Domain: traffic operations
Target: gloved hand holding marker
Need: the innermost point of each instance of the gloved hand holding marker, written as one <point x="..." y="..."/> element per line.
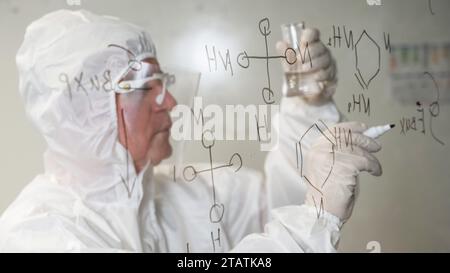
<point x="338" y="194"/>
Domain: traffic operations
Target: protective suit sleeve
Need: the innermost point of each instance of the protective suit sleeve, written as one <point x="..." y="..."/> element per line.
<point x="294" y="229"/>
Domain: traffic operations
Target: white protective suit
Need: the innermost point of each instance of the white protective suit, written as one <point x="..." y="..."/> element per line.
<point x="80" y="203"/>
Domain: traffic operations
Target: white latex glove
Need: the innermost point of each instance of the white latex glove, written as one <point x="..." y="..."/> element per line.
<point x="338" y="193"/>
<point x="320" y="72"/>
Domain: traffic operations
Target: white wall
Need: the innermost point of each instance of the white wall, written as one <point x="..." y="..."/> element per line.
<point x="407" y="209"/>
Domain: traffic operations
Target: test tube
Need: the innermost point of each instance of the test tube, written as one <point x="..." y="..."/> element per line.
<point x="295" y="83"/>
<point x="291" y="33"/>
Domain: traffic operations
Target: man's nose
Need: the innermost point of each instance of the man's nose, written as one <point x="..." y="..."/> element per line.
<point x="169" y="101"/>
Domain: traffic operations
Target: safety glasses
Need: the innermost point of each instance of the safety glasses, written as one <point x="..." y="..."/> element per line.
<point x="139" y="75"/>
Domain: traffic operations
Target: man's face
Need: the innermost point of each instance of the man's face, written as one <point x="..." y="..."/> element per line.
<point x="144" y="125"/>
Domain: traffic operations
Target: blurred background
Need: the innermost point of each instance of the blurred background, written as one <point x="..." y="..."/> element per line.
<point x="406" y="209"/>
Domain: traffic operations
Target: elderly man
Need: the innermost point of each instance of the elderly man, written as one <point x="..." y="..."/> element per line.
<point x="99" y="191"/>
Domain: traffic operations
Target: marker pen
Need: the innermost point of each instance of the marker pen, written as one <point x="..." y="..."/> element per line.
<point x="377" y="131"/>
